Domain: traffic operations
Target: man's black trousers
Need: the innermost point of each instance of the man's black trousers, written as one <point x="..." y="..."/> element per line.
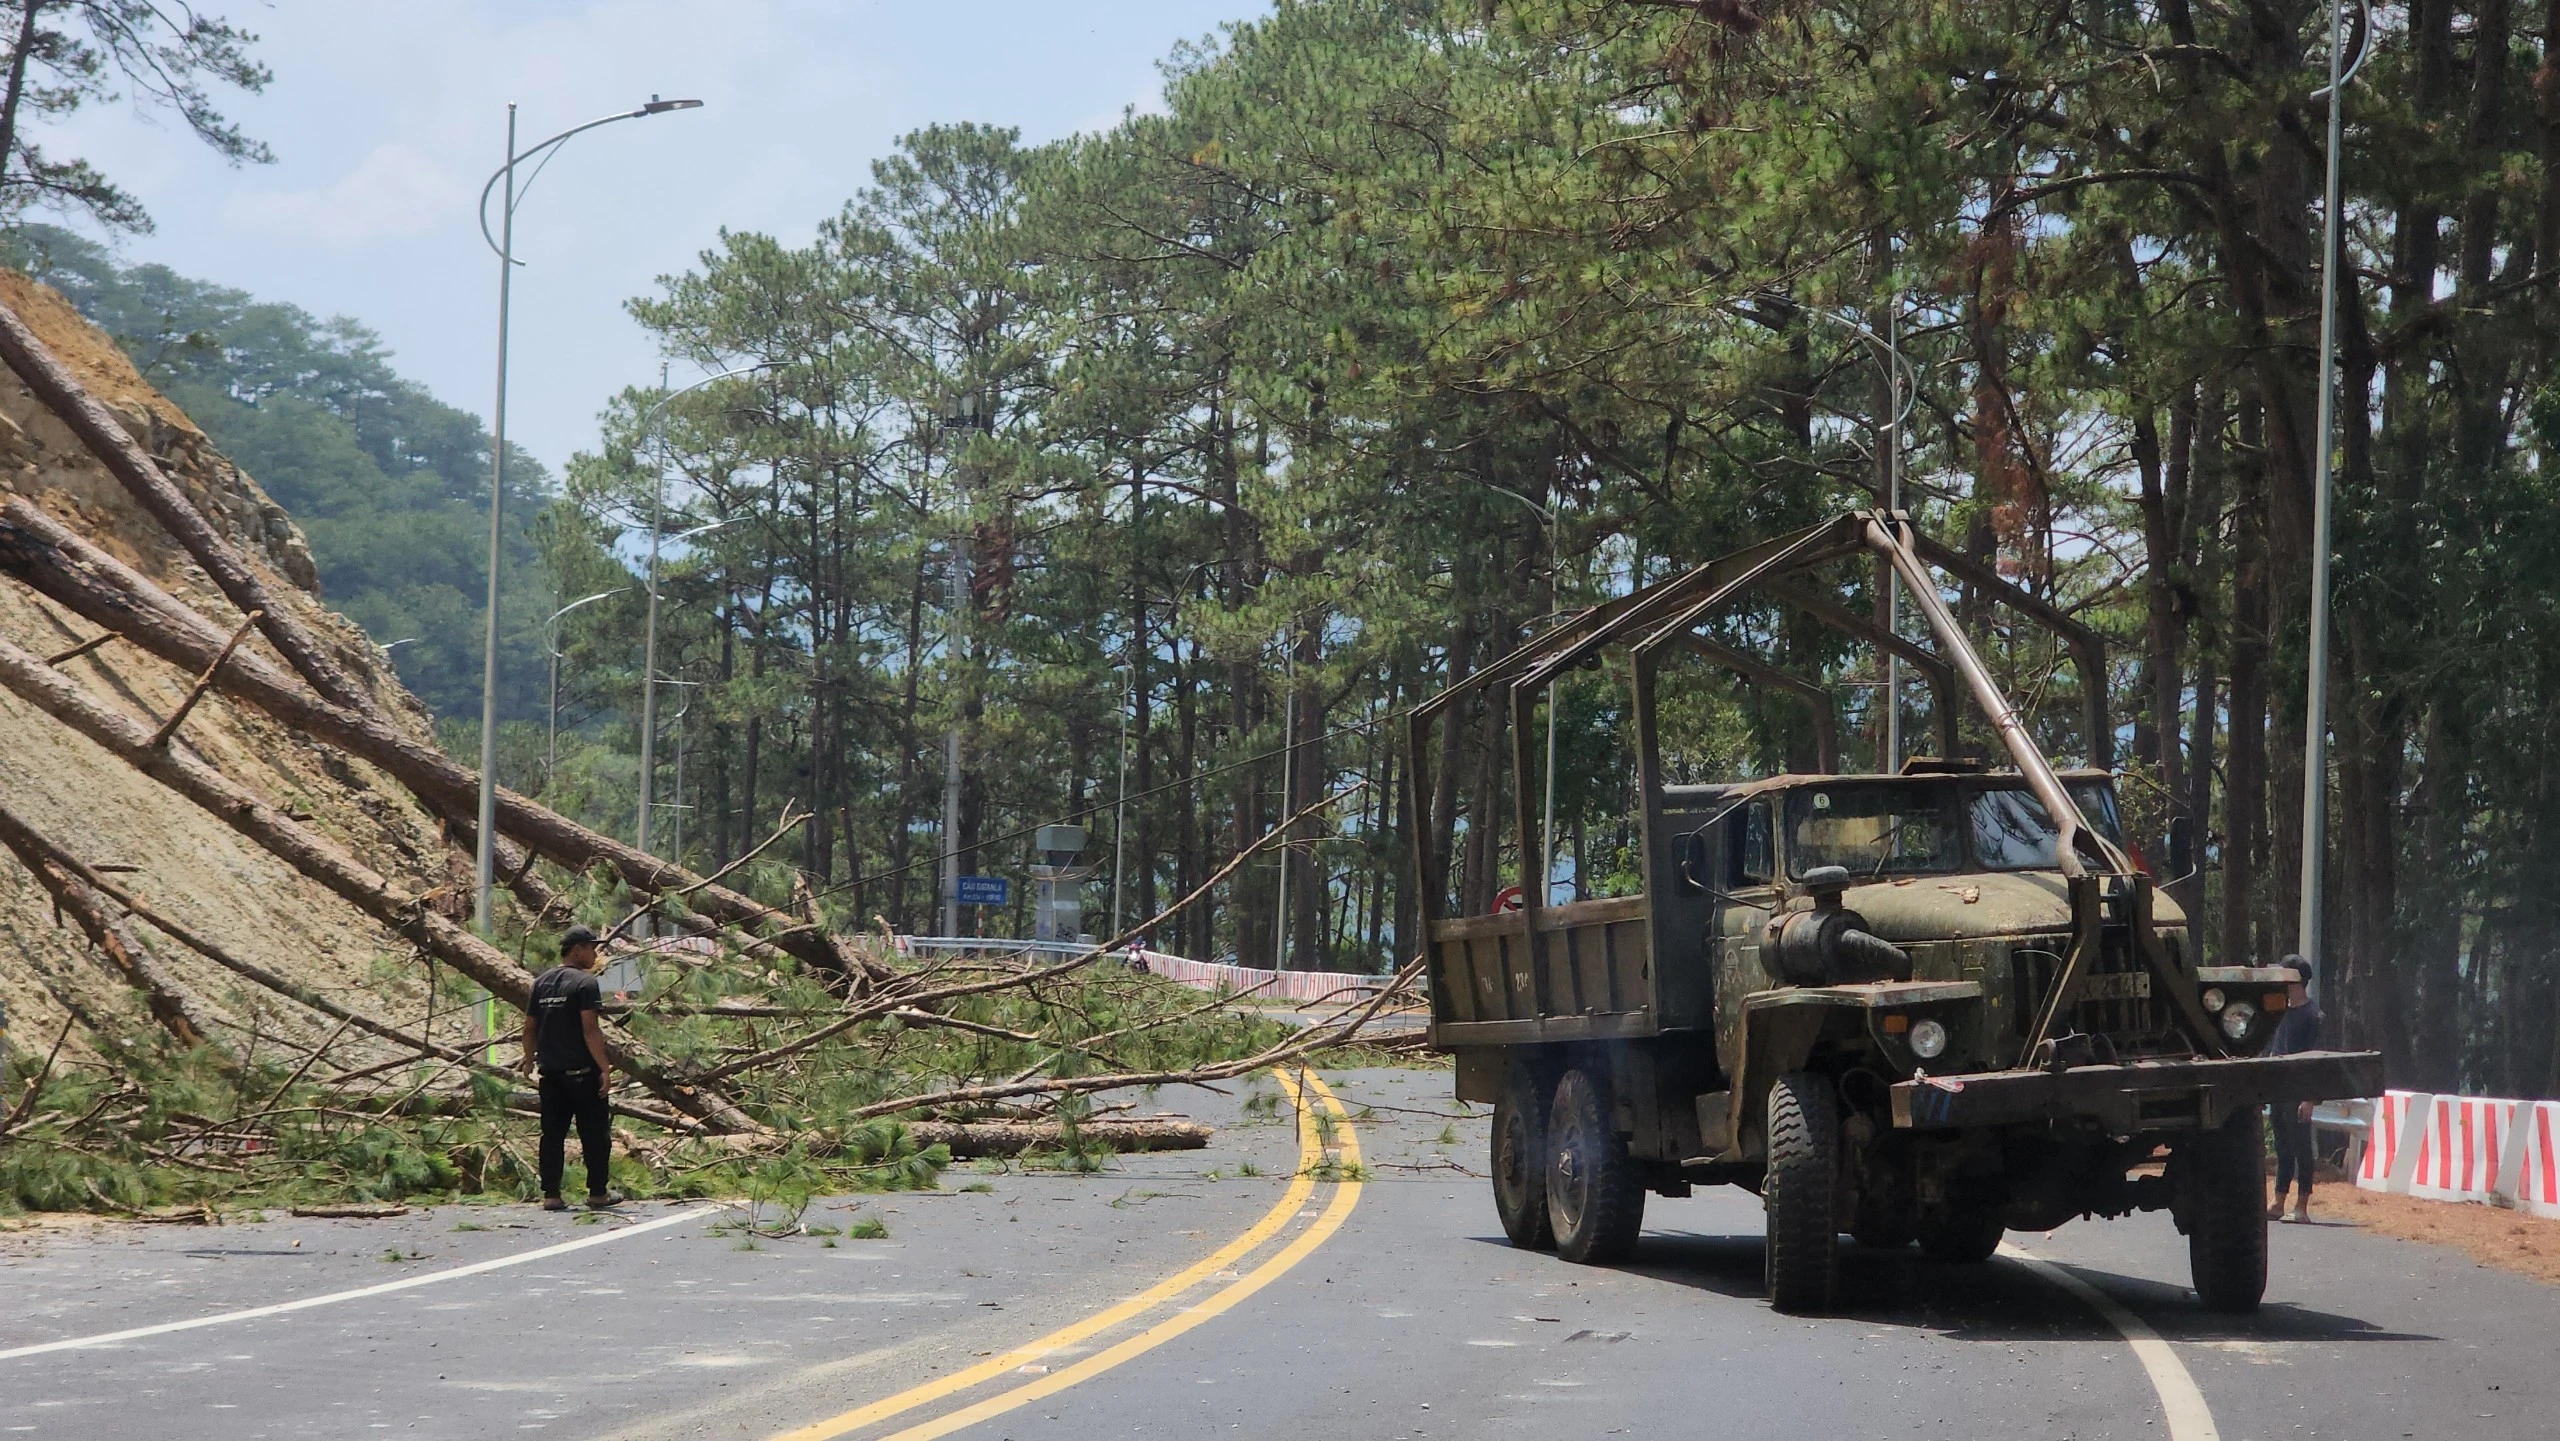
<point x="2293" y="1150"/>
<point x="575" y="1097"/>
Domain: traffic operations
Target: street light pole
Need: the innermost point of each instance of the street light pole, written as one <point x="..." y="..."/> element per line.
<point x="2315" y="728"/>
<point x="649" y="646"/>
<point x="485" y="860"/>
<point x="551" y="644"/>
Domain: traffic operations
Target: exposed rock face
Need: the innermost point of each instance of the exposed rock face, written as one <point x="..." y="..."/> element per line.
<point x="187" y="863"/>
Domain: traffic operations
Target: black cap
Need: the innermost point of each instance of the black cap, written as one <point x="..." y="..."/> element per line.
<point x="578" y="936"/>
<point x="2301" y="967"/>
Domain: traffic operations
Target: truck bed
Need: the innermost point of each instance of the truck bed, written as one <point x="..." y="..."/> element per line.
<point x="1595" y="979"/>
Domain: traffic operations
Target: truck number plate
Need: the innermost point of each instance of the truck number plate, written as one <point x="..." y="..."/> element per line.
<point x="2118" y="986"/>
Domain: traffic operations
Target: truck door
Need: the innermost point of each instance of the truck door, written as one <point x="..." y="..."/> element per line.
<point x="1748" y="893"/>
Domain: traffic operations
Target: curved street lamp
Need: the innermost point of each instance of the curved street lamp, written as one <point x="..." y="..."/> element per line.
<point x="484" y="868"/>
<point x="649" y="645"/>
<point x="551" y="646"/>
<point x="2315" y="727"/>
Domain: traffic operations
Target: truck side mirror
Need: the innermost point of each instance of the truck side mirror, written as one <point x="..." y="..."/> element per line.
<point x="2182" y="847"/>
<point x="1693" y="861"/>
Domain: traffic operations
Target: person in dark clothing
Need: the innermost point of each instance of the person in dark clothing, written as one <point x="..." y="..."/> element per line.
<point x="2299" y="1031"/>
<point x="564" y="1043"/>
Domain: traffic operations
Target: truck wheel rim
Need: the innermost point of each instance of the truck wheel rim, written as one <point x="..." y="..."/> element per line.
<point x="1569" y="1183"/>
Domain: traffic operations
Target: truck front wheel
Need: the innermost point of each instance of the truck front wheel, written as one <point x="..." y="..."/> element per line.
<point x="1520" y="1161"/>
<point x="1802" y="1194"/>
<point x="2227" y="1213"/>
<point x="1595" y="1199"/>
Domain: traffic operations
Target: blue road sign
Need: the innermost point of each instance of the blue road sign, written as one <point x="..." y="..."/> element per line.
<point x="984" y="890"/>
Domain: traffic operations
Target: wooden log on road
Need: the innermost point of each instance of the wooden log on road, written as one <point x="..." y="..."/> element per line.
<point x="59" y="564"/>
<point x="968" y="1139"/>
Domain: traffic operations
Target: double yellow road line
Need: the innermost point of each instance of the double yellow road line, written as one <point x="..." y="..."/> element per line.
<point x="1313" y="1154"/>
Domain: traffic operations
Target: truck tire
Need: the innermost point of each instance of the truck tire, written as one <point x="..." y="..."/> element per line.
<point x="2227" y="1214"/>
<point x="1520" y="1161"/>
<point x="1595" y="1199"/>
<point x="1961" y="1236"/>
<point x="1802" y="1194"/>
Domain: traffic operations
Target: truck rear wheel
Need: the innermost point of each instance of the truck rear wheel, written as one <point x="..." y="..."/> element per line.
<point x="1802" y="1194"/>
<point x="1520" y="1161"/>
<point x="1595" y="1199"/>
<point x="2227" y="1214"/>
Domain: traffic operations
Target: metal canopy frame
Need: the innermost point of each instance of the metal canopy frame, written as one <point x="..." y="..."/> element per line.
<point x="1665" y="615"/>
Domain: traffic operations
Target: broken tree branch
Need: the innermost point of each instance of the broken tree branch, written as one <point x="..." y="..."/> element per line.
<point x="66" y="657"/>
<point x="35" y="1083"/>
<point x="203" y="683"/>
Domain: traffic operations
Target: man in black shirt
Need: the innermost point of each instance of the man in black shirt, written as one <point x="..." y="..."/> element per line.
<point x="2299" y="1031"/>
<point x="564" y="1039"/>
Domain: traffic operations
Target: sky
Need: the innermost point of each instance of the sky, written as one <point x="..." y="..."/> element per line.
<point x="387" y="118"/>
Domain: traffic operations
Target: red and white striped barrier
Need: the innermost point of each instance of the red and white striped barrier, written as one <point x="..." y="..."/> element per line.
<point x="2458" y="1155"/>
<point x="2390" y="1135"/>
<point x="2465" y="1148"/>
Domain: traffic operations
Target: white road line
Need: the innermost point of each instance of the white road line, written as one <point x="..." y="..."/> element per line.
<point x="2189" y="1418"/>
<point x="405" y="1283"/>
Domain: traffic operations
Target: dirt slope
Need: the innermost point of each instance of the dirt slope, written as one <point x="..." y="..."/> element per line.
<point x="187" y="863"/>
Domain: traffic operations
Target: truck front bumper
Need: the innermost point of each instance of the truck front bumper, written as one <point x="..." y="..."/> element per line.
<point x="2136" y="1096"/>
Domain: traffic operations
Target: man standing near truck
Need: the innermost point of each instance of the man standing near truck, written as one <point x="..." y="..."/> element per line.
<point x="2299" y="1031"/>
<point x="564" y="1041"/>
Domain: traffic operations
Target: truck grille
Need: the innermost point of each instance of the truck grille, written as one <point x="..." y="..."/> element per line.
<point x="2136" y="1024"/>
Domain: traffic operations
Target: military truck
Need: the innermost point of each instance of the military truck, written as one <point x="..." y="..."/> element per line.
<point x="1930" y="1006"/>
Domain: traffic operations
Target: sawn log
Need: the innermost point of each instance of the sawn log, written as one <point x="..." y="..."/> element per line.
<point x="1011" y="1138"/>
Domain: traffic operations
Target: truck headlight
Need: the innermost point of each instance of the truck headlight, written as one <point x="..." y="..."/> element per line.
<point x="1928" y="1040"/>
<point x="2236" y="1018"/>
<point x="2212" y="998"/>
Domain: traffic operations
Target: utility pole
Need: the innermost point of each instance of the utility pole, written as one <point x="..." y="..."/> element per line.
<point x="649" y="646"/>
<point x="959" y="647"/>
<point x="1120" y="805"/>
<point x="484" y="865"/>
<point x="1288" y="804"/>
<point x="2315" y="728"/>
<point x="1893" y="501"/>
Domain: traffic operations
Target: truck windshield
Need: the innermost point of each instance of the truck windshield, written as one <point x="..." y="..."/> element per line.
<point x="2012" y="832"/>
<point x="1874" y="829"/>
<point x="1902" y="829"/>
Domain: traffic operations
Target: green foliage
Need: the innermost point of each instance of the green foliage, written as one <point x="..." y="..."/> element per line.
<point x="69" y="56"/>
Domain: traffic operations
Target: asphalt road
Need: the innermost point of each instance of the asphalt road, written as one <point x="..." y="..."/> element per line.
<point x="1198" y="1299"/>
